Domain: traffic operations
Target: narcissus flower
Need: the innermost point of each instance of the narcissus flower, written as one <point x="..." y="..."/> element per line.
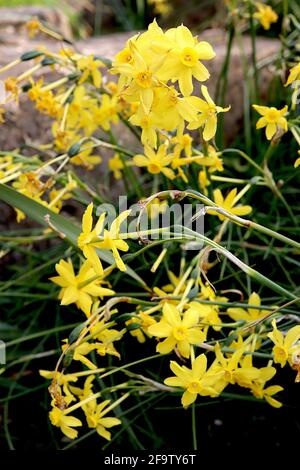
<point x="179" y="331"/>
<point x="148" y="123"/>
<point x="242" y="374"/>
<point x="265" y="15"/>
<point x="95" y="416"/>
<point x="212" y="160"/>
<point x="258" y="387"/>
<point x="145" y="321"/>
<point x="195" y="381"/>
<point x="115" y="165"/>
<point x="66" y="423"/>
<point x="183" y="61"/>
<point x="87" y="240"/>
<point x="272" y="119"/>
<point x="294" y="75"/>
<point x="207" y="114"/>
<point x="249" y="314"/>
<point x="90" y="68"/>
<point x="208" y="315"/>
<point x="111" y="240"/>
<point x="142" y="78"/>
<point x="81" y="288"/>
<point x="171" y="110"/>
<point x="45" y="100"/>
<point x="156" y="162"/>
<point x="228" y="203"/>
<point x="285" y="347"/>
<point x="90" y="239"/>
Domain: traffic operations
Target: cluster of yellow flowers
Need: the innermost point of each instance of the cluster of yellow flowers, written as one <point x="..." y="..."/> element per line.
<point x="149" y="67"/>
<point x="180" y="325"/>
<point x="157" y="91"/>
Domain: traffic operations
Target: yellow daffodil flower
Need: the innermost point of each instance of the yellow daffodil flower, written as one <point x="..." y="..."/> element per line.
<point x="208" y="114"/>
<point x="81" y="288"/>
<point x="243" y="375"/>
<point x="258" y="389"/>
<point x="105" y="337"/>
<point x="161" y="7"/>
<point x="228" y="203"/>
<point x="182" y="143"/>
<point x="212" y="160"/>
<point x="87" y="240"/>
<point x="249" y="314"/>
<point x="45" y="100"/>
<point x="115" y="165"/>
<point x="145" y="322"/>
<point x="86" y="160"/>
<point x="81" y="351"/>
<point x="107" y="112"/>
<point x="195" y="381"/>
<point x="111" y="240"/>
<point x="272" y="119"/>
<point x="287" y="347"/>
<point x="66" y="423"/>
<point x="183" y="61"/>
<point x="180" y="331"/>
<point x="156" y="162"/>
<point x="207" y="314"/>
<point x="148" y="123"/>
<point x="96" y="419"/>
<point x="171" y="110"/>
<point x="265" y="15"/>
<point x="89" y="67"/>
<point x="11" y="88"/>
<point x="267" y="394"/>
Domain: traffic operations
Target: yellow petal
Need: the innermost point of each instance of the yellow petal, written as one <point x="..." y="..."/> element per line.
<point x="188" y="398"/>
<point x="210" y="128"/>
<point x="70" y="295"/>
<point x="166" y="346"/>
<point x="87" y="219"/>
<point x="199" y="366"/>
<point x="270" y="130"/>
<point x="190" y="318"/>
<point x="161" y="329"/>
<point x="171" y="314"/>
<point x="184" y="348"/>
<point x="110" y="422"/>
<point x="185" y="82"/>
